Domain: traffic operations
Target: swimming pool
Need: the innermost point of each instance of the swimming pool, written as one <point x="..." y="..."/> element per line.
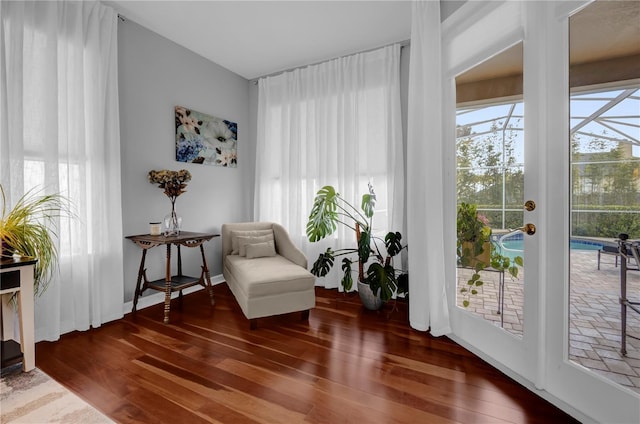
<point x="513" y="245"/>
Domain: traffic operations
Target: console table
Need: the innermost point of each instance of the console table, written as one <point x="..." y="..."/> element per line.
<point x="171" y="283"/>
<point x="16" y="277"/>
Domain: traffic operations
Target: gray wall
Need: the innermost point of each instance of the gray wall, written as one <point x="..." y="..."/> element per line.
<point x="155" y="75"/>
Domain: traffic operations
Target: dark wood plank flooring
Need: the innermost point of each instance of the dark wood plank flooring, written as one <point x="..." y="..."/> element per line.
<point x="345" y="365"/>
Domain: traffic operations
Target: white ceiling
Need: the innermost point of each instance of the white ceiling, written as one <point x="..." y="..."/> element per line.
<point x="258" y="38"/>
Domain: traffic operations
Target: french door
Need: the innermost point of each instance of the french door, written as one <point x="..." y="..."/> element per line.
<point x="507" y="87"/>
<point x="490" y="109"/>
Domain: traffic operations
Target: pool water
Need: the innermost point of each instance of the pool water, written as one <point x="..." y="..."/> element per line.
<point x="575" y="245"/>
<point x="513" y="246"/>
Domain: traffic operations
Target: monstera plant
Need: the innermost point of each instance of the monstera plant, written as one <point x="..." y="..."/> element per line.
<point x="329" y="210"/>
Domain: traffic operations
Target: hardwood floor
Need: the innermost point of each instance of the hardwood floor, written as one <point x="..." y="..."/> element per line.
<point x="345" y="365"/>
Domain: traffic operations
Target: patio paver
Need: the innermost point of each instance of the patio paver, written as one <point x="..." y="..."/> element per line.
<point x="594" y="321"/>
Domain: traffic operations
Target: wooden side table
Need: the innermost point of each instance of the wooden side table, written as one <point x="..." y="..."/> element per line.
<point x="16" y="276"/>
<point x="171" y="283"/>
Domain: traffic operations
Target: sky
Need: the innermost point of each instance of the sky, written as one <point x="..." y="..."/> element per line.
<point x="619" y="120"/>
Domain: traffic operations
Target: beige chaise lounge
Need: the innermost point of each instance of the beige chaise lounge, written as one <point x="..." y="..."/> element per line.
<point x="265" y="271"/>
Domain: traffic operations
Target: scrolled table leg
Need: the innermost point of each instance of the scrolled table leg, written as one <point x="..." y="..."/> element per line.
<point x="207" y="276"/>
<point x="167" y="291"/>
<point x="139" y="282"/>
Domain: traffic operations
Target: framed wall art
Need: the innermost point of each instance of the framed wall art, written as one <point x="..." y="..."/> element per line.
<point x="205" y="139"/>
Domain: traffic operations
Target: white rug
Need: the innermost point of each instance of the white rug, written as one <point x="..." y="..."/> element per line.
<point x="35" y="398"/>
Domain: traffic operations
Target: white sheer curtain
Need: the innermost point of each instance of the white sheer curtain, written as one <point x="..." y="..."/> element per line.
<point x="336" y="123"/>
<point x="425" y="195"/>
<point x="59" y="132"/>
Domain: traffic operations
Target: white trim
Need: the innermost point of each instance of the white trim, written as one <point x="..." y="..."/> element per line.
<point x="536" y="99"/>
<point x="468" y="46"/>
<point x="158" y="297"/>
<point x="567" y="8"/>
<point x="466" y="16"/>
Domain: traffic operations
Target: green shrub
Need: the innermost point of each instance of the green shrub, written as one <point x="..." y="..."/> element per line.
<point x="609" y="224"/>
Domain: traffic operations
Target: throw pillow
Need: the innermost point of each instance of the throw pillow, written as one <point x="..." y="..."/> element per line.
<point x="235" y="250"/>
<point x="244" y="241"/>
<point x="261" y="250"/>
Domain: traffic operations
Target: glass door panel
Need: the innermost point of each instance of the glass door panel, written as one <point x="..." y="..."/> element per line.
<point x="490" y="189"/>
<point x="605" y="188"/>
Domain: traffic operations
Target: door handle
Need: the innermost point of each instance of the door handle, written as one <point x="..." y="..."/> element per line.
<point x="528" y="228"/>
<point x="529" y="205"/>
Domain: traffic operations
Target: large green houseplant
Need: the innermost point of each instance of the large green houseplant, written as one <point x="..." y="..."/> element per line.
<point x="474" y="249"/>
<point x="29" y="230"/>
<point x="330" y="210"/>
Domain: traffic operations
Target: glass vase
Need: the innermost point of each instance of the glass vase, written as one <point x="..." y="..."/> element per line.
<point x="172" y="223"/>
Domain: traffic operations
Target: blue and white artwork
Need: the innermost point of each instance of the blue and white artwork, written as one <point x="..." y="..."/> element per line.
<point x="205" y="139"/>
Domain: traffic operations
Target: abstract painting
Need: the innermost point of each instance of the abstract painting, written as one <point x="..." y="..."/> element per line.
<point x="205" y="139"/>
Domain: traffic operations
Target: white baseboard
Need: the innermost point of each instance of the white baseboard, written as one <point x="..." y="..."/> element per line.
<point x="157" y="297"/>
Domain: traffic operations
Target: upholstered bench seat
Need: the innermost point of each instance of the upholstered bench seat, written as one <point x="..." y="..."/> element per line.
<point x="268" y="276"/>
<point x="265" y="271"/>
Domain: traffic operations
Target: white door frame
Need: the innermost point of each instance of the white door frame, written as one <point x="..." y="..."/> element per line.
<point x="475" y="33"/>
<point x="594" y="395"/>
<point x="539" y="360"/>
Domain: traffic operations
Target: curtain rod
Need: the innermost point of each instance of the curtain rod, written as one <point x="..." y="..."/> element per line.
<point x="403" y="43"/>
